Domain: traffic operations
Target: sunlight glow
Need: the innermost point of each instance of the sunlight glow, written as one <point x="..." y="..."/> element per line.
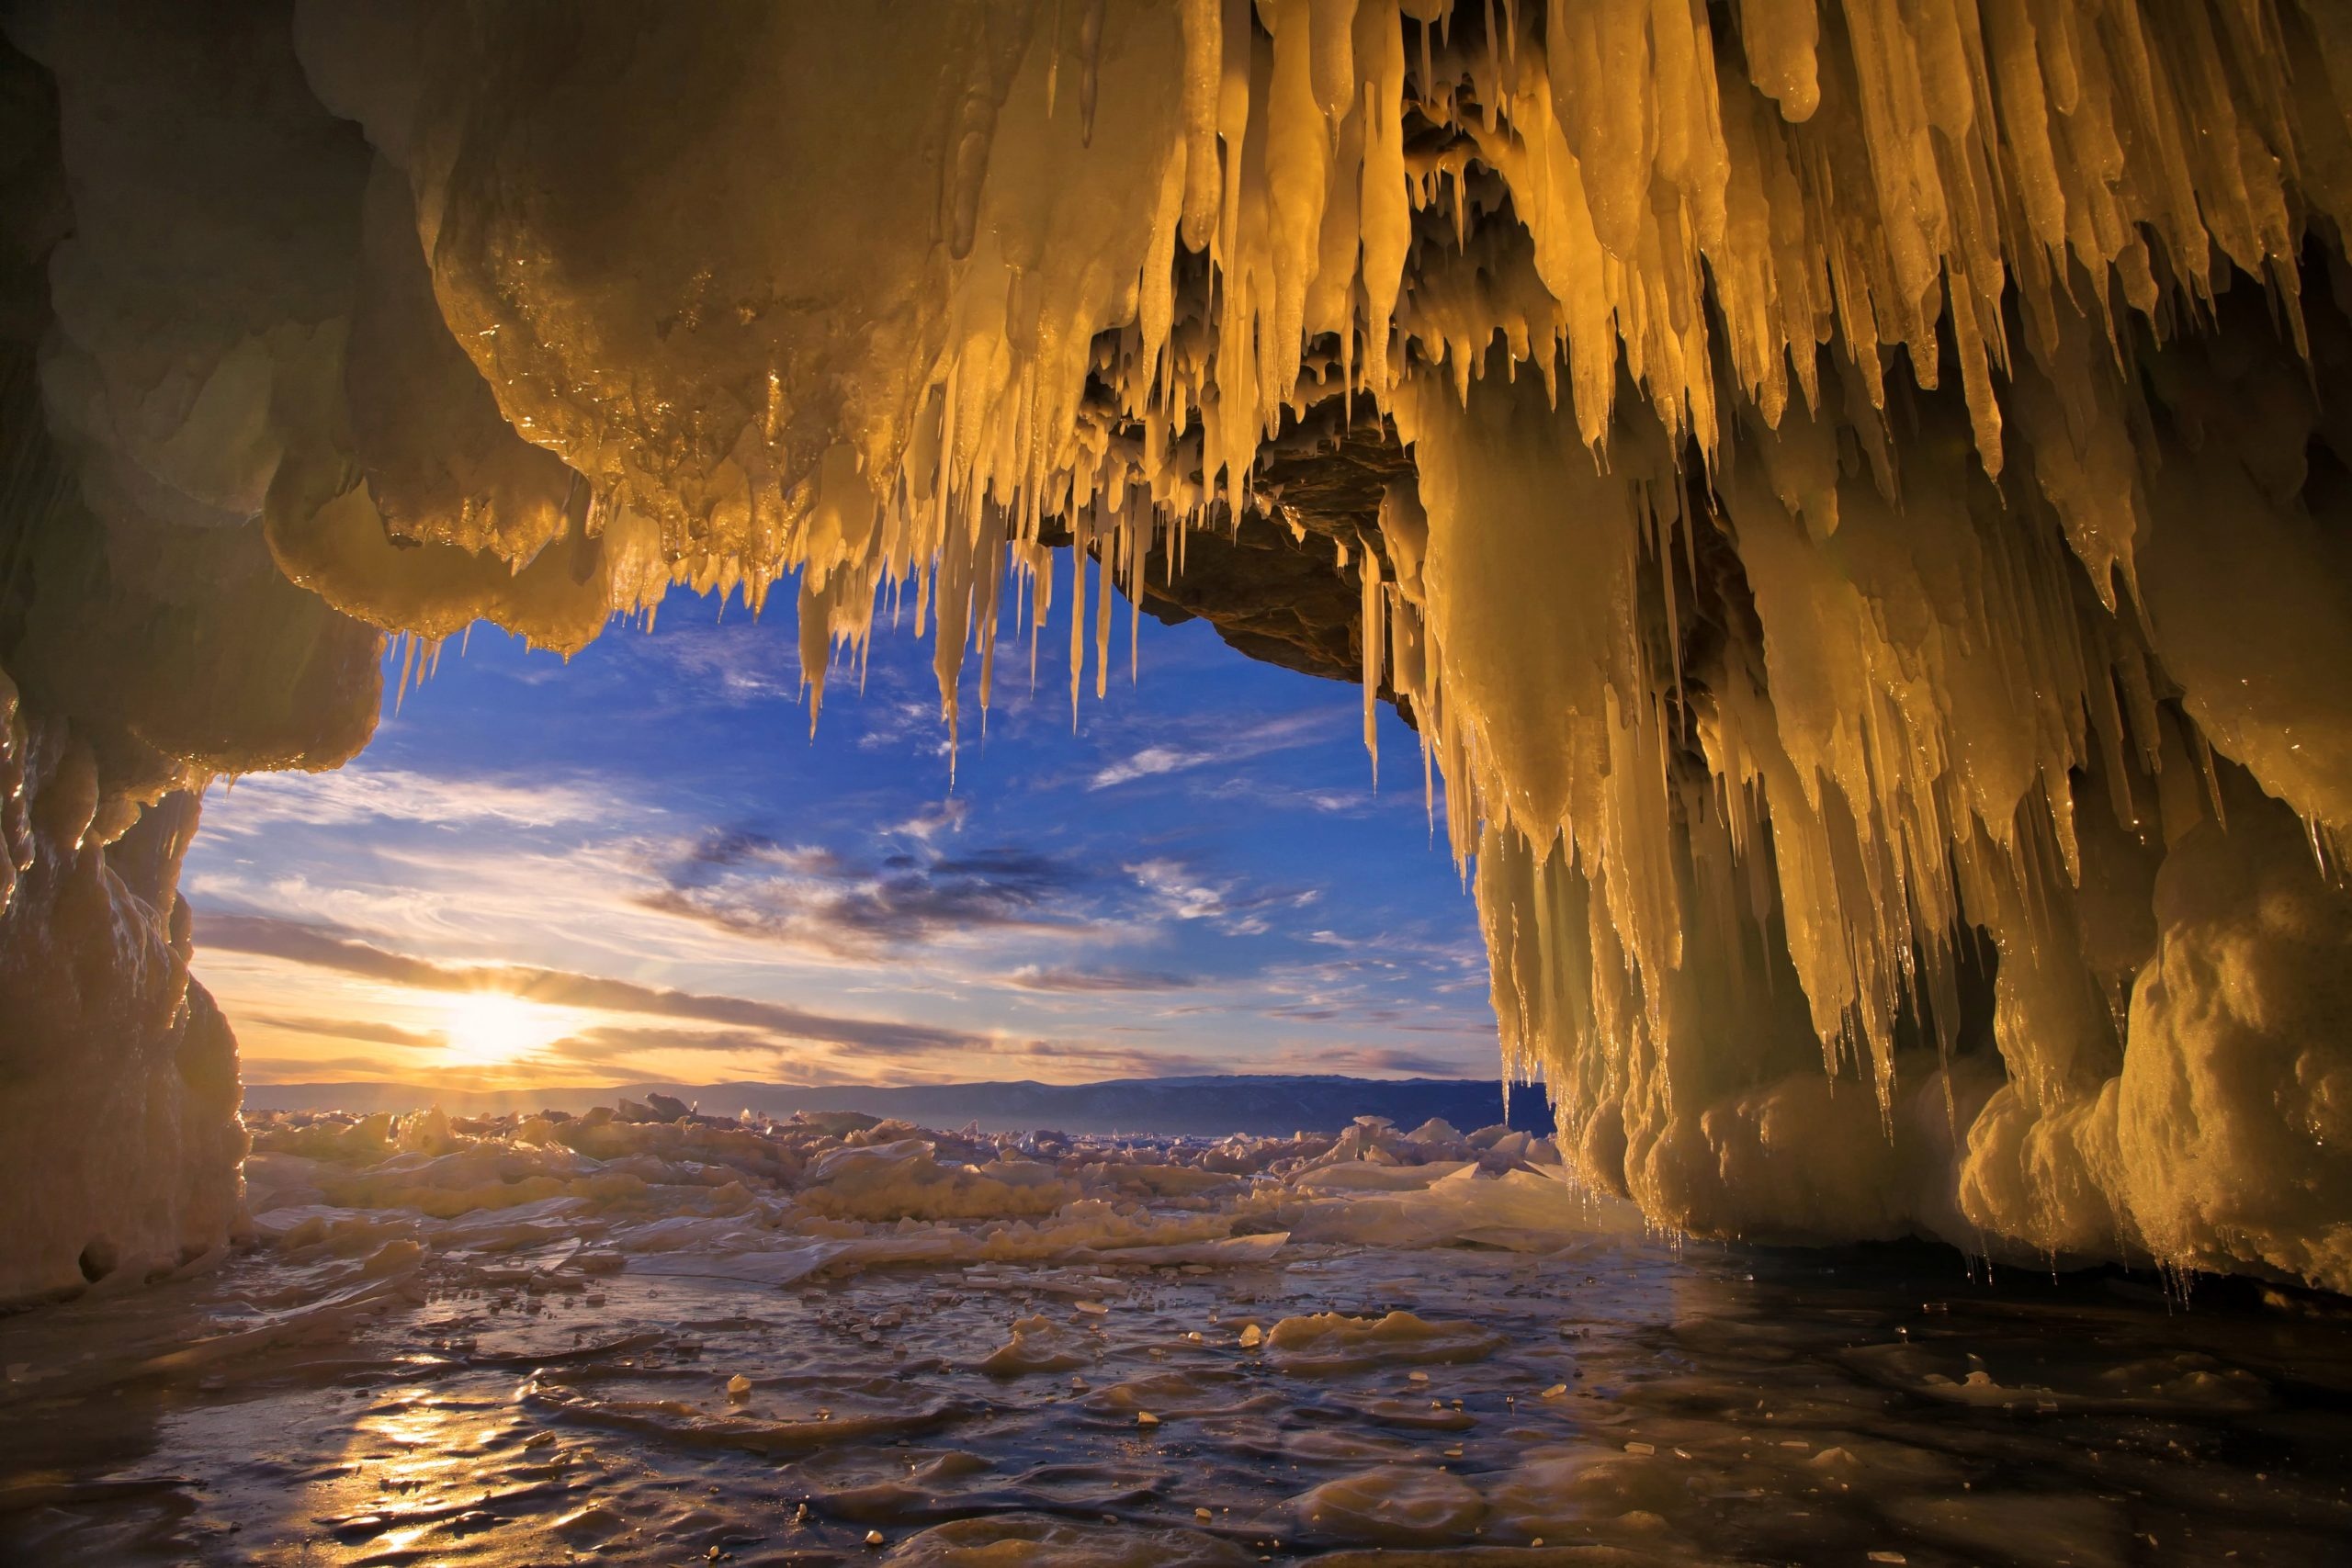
<point x="484" y="1027"/>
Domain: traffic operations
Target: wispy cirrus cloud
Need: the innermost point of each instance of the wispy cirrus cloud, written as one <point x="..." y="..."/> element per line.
<point x="359" y="794"/>
<point x="1184" y="894"/>
<point x="1149" y="762"/>
<point x="947" y="817"/>
<point x="1180" y="893"/>
<point x="737" y="665"/>
<point x="1199" y="741"/>
<point x="1256" y="795"/>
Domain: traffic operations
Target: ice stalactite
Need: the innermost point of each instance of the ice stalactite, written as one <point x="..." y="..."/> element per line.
<point x="1872" y="575"/>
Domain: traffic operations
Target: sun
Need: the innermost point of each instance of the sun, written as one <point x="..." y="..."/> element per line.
<point x="484" y="1027"/>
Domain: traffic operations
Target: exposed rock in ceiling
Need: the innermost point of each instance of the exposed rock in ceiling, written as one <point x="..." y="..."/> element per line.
<point x="1284" y="583"/>
<point x="1851" y="494"/>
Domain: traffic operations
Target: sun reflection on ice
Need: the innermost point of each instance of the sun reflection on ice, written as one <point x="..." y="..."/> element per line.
<point x="420" y="1468"/>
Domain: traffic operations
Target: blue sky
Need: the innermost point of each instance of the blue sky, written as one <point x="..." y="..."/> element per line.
<point x="638" y="864"/>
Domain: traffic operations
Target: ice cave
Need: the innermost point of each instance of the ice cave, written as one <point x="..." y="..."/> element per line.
<point x="1852" y="497"/>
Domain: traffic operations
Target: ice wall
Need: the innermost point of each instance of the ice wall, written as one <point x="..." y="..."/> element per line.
<point x="120" y="1110"/>
<point x="1875" y="583"/>
<point x="172" y="236"/>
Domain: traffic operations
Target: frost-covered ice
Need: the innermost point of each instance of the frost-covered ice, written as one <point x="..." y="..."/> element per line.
<point x="541" y="1340"/>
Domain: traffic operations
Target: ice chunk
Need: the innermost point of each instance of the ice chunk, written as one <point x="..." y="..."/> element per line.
<point x="1392" y="1506"/>
<point x="1329" y="1344"/>
<point x="1525" y="1211"/>
<point x="1039" y="1345"/>
<point x="903" y="1181"/>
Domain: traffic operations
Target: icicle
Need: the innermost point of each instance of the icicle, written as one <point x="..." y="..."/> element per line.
<point x="1203" y="33"/>
<point x="1374" y="623"/>
<point x="1081" y="536"/>
<point x="1090" y="44"/>
<point x="1107" y="554"/>
<point x="1054" y="58"/>
<point x="1138" y="533"/>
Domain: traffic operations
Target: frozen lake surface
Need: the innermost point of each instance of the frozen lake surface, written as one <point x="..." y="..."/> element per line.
<point x="713" y="1343"/>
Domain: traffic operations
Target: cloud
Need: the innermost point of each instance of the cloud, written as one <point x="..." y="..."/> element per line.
<point x="914" y="723"/>
<point x="1032" y="977"/>
<point x="356" y="794"/>
<point x="1184" y="896"/>
<point x="306" y="1069"/>
<point x="327" y="948"/>
<point x="729" y="846"/>
<point x="1266" y="794"/>
<point x="927" y="824"/>
<point x="1146" y="763"/>
<point x="1178" y="891"/>
<point x="1371" y="1061"/>
<point x="1215" y="739"/>
<point x="821" y="901"/>
<point x="739" y="665"/>
<point x="609" y="1045"/>
<point x="361" y="1030"/>
<point x="1105" y="1063"/>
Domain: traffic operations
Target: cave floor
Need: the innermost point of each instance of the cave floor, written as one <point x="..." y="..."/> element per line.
<point x="1619" y="1401"/>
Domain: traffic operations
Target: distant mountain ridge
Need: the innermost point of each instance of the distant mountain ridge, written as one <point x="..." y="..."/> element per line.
<point x="1206" y="1106"/>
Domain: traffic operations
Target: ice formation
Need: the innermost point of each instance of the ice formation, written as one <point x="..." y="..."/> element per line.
<point x="1873" y="575"/>
<point x="759" y="1201"/>
<point x="640" y="1334"/>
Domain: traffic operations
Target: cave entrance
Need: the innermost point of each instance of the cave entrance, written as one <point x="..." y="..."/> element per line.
<point x="635" y="868"/>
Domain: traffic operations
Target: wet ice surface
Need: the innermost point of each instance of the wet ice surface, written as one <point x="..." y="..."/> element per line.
<point x="710" y="1369"/>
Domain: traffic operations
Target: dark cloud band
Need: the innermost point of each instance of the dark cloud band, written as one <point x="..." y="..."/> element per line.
<point x="324" y="947"/>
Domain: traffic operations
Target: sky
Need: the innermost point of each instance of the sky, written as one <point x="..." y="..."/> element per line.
<point x="637" y="865"/>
